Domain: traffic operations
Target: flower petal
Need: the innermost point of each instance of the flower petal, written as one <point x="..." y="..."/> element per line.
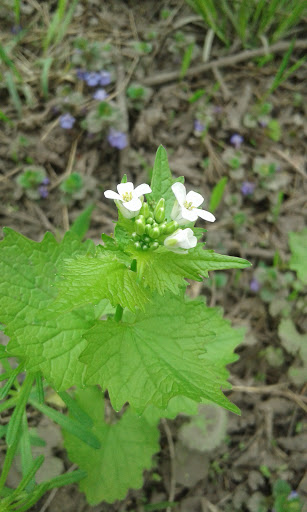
<point x="133" y="205"/>
<point x="203" y="214"/>
<point x="109" y="194"/>
<point x="126" y="213"/>
<point x="180" y="192"/>
<point x="122" y="188"/>
<point x="141" y="190"/>
<point x="189" y="215"/>
<point x="194" y="198"/>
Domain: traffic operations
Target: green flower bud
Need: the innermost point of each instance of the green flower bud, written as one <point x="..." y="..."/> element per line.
<point x="160" y="215"/>
<point x="154" y="232"/>
<point x="149" y="220"/>
<point x="145" y="247"/>
<point x="140" y="225"/>
<point x="135" y="237"/>
<point x="137" y="245"/>
<point x="147" y="228"/>
<point x="154" y="245"/>
<point x="145" y="210"/>
<point x="146" y="239"/>
<point x="171" y="227"/>
<point x="162" y="227"/>
<point x="159" y="211"/>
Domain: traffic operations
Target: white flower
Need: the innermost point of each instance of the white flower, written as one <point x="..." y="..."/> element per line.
<point x="181" y="240"/>
<point x="186" y="206"/>
<point x="127" y="198"/>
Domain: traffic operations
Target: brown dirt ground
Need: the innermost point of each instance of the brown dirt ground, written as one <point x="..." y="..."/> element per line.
<point x="267" y="432"/>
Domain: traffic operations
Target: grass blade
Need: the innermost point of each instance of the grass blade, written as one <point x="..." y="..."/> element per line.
<point x="14" y="424"/>
<point x="186" y="61"/>
<point x="11" y="86"/>
<point x="46" y="64"/>
<point x="72" y="426"/>
<point x="75" y="410"/>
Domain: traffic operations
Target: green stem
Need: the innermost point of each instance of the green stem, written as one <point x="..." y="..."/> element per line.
<point x="118" y="313"/>
<point x="140" y="270"/>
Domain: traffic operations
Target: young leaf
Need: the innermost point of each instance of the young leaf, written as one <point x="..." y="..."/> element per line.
<point x="14" y="424"/>
<point x="166" y="271"/>
<point x="82" y="222"/>
<point x="217" y="194"/>
<point x="126" y="450"/>
<point x="166" y="353"/>
<point x="105" y="276"/>
<point x="162" y="181"/>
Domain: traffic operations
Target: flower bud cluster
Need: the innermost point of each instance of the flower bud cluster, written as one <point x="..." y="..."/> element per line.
<point x="150" y="226"/>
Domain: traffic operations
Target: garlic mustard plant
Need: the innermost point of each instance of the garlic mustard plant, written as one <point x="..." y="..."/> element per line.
<point x="96" y="324"/>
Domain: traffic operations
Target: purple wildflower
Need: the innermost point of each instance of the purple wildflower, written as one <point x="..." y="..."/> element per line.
<point x="105" y="78"/>
<point x="293" y="495"/>
<point x="45" y="181"/>
<point x="199" y="126"/>
<point x="117" y="139"/>
<point x="43" y="191"/>
<point x="247" y="188"/>
<point x="92" y="78"/>
<point x="100" y="95"/>
<point x="80" y="74"/>
<point x="236" y="140"/>
<point x="254" y="285"/>
<point x="16" y="29"/>
<point x="67" y="121"/>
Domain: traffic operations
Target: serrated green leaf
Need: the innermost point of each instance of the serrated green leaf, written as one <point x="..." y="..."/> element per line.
<point x="89" y="279"/>
<point x="162" y="181"/>
<point x="46" y="337"/>
<point x="126" y="450"/>
<point x="160" y="354"/>
<point x="298" y="246"/>
<point x="164" y="270"/>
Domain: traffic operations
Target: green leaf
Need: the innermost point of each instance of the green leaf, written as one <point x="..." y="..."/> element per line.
<point x="165" y="270"/>
<point x="298" y="246"/>
<point x="82" y="222"/>
<point x="162" y="181"/>
<point x="103" y="276"/>
<point x="162" y="353"/>
<point x="46" y="337"/>
<point x="217" y="194"/>
<point x="126" y="450"/>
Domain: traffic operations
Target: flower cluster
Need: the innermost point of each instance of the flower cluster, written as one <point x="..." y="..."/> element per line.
<point x="151" y="227"/>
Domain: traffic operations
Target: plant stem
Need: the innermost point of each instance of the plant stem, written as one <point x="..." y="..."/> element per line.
<point x="118" y="313"/>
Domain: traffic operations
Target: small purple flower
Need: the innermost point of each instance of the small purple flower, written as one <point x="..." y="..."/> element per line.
<point x="254" y="285"/>
<point x="236" y="140"/>
<point x="199" y="126"/>
<point x="16" y="29"/>
<point x="45" y="181"/>
<point x="105" y="78"/>
<point x="92" y="78"/>
<point x="100" y="95"/>
<point x="80" y="74"/>
<point x="43" y="191"/>
<point x="293" y="495"/>
<point x="117" y="139"/>
<point x="247" y="188"/>
<point x="67" y="121"/>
